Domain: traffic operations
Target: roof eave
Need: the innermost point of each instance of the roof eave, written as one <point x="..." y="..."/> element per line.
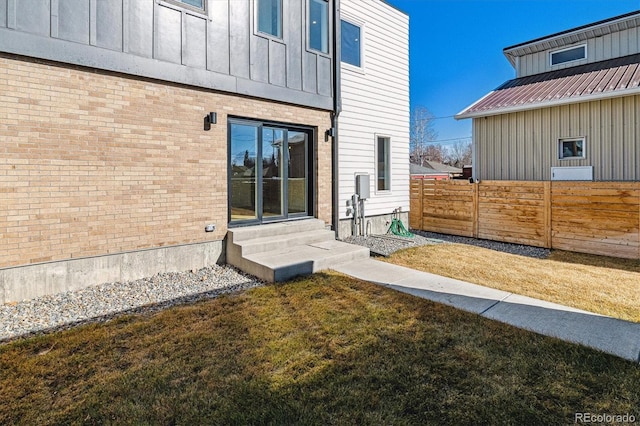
<point x="461" y="115"/>
<point x="611" y="22"/>
<point x="547" y="104"/>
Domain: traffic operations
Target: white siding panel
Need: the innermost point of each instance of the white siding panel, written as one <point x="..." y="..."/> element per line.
<point x="608" y="46"/>
<point x="375" y="101"/>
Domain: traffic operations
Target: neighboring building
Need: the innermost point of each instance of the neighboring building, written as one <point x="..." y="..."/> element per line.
<point x="106" y="170"/>
<point x="571" y="113"/>
<point x="373" y="137"/>
<point x="434" y="170"/>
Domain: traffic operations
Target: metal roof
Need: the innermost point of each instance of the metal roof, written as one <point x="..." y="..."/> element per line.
<point x="605" y="79"/>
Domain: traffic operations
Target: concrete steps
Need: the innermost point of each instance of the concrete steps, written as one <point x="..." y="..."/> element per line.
<point x="280" y="251"/>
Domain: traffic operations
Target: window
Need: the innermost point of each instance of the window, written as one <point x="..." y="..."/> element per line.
<point x="568" y="55"/>
<point x="350" y="43"/>
<point x="383" y="158"/>
<point x="270" y="17"/>
<point x="319" y="25"/>
<point x="195" y="3"/>
<point x="569" y="149"/>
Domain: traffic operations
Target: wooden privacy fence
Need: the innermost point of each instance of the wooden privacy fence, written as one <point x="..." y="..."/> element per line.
<point x="589" y="217"/>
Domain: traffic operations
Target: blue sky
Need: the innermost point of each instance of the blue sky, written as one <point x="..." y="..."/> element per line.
<point x="456" y="46"/>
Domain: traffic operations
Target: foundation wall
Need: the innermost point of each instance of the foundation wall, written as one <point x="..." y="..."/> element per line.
<point x="375" y="225"/>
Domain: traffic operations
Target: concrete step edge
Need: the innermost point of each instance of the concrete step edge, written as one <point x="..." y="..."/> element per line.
<point x="274" y="229"/>
<point x="282" y="242"/>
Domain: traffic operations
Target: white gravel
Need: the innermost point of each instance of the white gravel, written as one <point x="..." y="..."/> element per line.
<point x="103" y="302"/>
<point x="519" y="249"/>
<point x="384" y="245"/>
<point x="387" y="244"/>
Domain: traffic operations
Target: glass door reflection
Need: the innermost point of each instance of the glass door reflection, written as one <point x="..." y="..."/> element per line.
<point x="243" y="155"/>
<point x="297" y="172"/>
<point x="269" y="168"/>
<point x="272" y="172"/>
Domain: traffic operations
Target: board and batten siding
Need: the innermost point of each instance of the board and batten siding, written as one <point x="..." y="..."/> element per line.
<point x="524" y="145"/>
<point x="375" y="102"/>
<point x="613" y="45"/>
<point x="218" y="48"/>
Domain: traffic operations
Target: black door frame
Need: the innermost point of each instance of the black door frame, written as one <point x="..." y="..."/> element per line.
<point x="310" y="167"/>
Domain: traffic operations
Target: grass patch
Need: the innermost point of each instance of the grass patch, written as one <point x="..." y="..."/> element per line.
<point x="599" y="284"/>
<point x="326" y="349"/>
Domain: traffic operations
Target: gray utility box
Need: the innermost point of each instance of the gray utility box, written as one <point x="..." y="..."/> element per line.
<point x="362" y="186"/>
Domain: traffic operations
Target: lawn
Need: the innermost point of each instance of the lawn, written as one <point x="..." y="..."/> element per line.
<point x="326" y="349"/>
<point x="599" y="284"/>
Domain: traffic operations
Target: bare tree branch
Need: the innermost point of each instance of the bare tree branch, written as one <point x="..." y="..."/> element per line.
<point x="422" y="131"/>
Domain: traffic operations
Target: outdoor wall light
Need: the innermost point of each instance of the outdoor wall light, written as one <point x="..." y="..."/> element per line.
<point x="330" y="133"/>
<point x="209" y="119"/>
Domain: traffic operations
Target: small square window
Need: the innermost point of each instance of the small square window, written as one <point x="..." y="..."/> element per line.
<point x="383" y="158"/>
<point x="571" y="148"/>
<point x="318" y="22"/>
<point x="350" y="43"/>
<point x="270" y="17"/>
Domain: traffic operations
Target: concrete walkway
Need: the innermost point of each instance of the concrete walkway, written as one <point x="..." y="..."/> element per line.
<point x="614" y="336"/>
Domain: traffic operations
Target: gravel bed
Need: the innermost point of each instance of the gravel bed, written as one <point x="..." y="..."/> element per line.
<point x="103" y="302"/>
<point x="519" y="249"/>
<point x="387" y="244"/>
<point x="384" y="245"/>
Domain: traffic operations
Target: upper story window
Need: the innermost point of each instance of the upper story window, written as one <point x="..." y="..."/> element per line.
<point x="568" y="55"/>
<point x="318" y="21"/>
<point x="351" y="43"/>
<point x="270" y="17"/>
<point x="195" y="3"/>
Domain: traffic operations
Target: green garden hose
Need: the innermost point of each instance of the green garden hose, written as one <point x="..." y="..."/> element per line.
<point x="397" y="228"/>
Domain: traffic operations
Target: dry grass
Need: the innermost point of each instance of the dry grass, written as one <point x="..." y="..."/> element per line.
<point x="321" y="350"/>
<point x="599" y="284"/>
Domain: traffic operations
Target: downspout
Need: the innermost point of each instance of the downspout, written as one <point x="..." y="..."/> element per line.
<point x="337" y="108"/>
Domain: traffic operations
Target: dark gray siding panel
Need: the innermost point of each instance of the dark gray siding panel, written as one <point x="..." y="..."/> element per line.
<point x="73" y="20"/>
<point x="239" y="33"/>
<point x="139" y="31"/>
<point x="75" y="53"/>
<point x="294" y="40"/>
<point x="109" y="29"/>
<point x="194" y="46"/>
<point x="218" y="37"/>
<point x="309" y="72"/>
<point x="3" y="13"/>
<point x="217" y="49"/>
<point x="168" y="39"/>
<point x="277" y="64"/>
<point x="259" y="59"/>
<point x="34" y="16"/>
<point x="324" y="76"/>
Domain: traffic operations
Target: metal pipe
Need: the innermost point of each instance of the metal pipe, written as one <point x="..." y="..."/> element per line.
<point x="337" y="107"/>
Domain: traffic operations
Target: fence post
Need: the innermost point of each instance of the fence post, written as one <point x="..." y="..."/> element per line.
<point x="421" y="198"/>
<point x="548" y="231"/>
<point x="475" y="209"/>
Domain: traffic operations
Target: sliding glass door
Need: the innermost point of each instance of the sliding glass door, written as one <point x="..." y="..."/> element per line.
<point x="268" y="172"/>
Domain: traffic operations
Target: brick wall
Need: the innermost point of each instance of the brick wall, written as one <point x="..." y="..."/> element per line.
<point x="94" y="163"/>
